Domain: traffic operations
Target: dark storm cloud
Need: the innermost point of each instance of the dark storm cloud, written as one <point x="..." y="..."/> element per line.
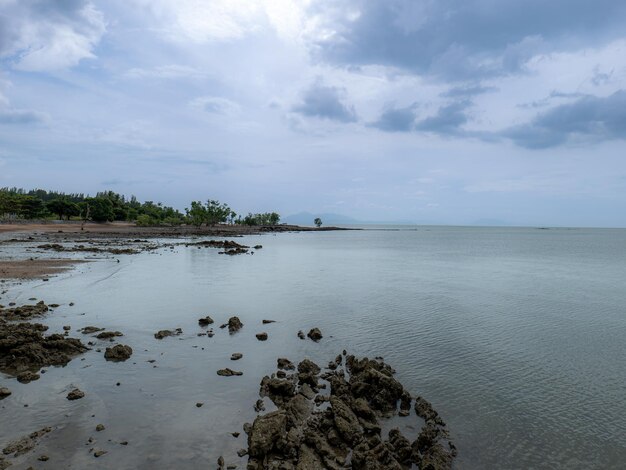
<point x="463" y="40"/>
<point x="396" y="119"/>
<point x="589" y="118"/>
<point x="325" y="102"/>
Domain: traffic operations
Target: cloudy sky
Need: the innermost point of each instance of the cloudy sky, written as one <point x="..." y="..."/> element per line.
<point x="433" y="111"/>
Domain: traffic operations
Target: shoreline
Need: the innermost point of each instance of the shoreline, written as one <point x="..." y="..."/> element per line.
<point x="110" y="238"/>
<point x="346" y="408"/>
<point x="124" y="229"/>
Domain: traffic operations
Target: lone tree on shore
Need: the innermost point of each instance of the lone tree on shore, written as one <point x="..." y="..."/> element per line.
<point x="317" y="222"/>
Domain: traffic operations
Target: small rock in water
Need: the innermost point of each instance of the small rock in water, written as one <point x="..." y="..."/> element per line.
<point x="4" y="392"/>
<point x="301" y="334"/>
<point x="108" y="334"/>
<point x="67" y="328"/>
<point x="259" y="405"/>
<point x="228" y="372"/>
<point x="100" y="427"/>
<point x="26" y="377"/>
<point x="90" y="329"/>
<point x="265" y="322"/>
<point x="164" y="333"/>
<point x="199" y="404"/>
<point x="236" y="356"/>
<point x="220" y="461"/>
<point x="315" y="334"/>
<point x="205" y="321"/>
<point x="283" y="363"/>
<point x="119" y="352"/>
<point x="234" y="324"/>
<point x="261" y="336"/>
<point x="99" y="453"/>
<point x="43" y="458"/>
<point x="75" y="394"/>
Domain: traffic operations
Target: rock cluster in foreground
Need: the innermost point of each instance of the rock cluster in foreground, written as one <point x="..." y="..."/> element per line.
<point x="346" y="432"/>
<point x="24" y="347"/>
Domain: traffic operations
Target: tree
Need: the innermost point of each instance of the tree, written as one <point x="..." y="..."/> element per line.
<point x="101" y="209"/>
<point x="197" y="214"/>
<point x="216" y="212"/>
<point x="274" y="218"/>
<point x="317" y="222"/>
<point x="63" y="207"/>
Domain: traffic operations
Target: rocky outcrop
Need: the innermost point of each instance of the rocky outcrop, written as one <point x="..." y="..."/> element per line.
<point x="25" y="444"/>
<point x="234" y="325"/>
<point x="24" y="347"/>
<point x="315" y="334"/>
<point x="75" y="394"/>
<point x="117" y="353"/>
<point x="261" y="336"/>
<point x="228" y="372"/>
<point x="165" y="333"/>
<point x="24" y="312"/>
<point x="108" y="334"/>
<point x="346" y="432"/>
<point x="90" y="330"/>
<point x="206" y="321"/>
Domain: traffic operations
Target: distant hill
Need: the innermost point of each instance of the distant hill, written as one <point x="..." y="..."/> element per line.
<point x="307" y="218"/>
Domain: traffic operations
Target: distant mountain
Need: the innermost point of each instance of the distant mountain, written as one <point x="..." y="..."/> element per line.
<point x="307" y="218"/>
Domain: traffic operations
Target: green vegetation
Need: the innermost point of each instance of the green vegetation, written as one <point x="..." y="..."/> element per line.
<point x="267" y="218"/>
<point x="317" y="222"/>
<point x="108" y="206"/>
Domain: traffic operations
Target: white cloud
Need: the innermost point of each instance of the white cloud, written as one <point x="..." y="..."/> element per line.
<point x="201" y="21"/>
<point x="50" y="37"/>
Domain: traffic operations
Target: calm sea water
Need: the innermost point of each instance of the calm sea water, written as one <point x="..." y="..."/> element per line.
<point x="516" y="335"/>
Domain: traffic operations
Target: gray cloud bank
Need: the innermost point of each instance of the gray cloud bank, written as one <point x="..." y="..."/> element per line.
<point x="458" y="41"/>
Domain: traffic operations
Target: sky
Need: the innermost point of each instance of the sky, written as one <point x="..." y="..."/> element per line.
<point x="423" y="111"/>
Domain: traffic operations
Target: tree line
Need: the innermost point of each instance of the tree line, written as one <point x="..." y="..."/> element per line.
<point x="108" y="206"/>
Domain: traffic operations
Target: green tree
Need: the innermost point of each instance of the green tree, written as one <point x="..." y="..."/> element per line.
<point x="63" y="207"/>
<point x="274" y="218"/>
<point x="317" y="222"/>
<point x="197" y="214"/>
<point x="216" y="212"/>
<point x="100" y="209"/>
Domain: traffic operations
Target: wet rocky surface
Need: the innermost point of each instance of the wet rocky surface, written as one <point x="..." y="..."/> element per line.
<point x="315" y="334"/>
<point x="340" y="428"/>
<point x="24" y="347"/>
<point x="234" y="325"/>
<point x="313" y="418"/>
<point x="165" y="333"/>
<point x="24" y="444"/>
<point x="118" y="353"/>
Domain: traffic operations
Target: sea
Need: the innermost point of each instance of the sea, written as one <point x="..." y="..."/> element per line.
<point x="517" y="336"/>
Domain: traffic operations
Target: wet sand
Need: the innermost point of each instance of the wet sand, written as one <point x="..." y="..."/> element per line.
<point x="35" y="268"/>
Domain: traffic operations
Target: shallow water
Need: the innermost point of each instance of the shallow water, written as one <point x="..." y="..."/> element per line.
<point x="515" y="335"/>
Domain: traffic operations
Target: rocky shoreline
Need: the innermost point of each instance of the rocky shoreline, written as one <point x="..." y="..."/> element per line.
<point x="340" y="428"/>
<point x="328" y="417"/>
